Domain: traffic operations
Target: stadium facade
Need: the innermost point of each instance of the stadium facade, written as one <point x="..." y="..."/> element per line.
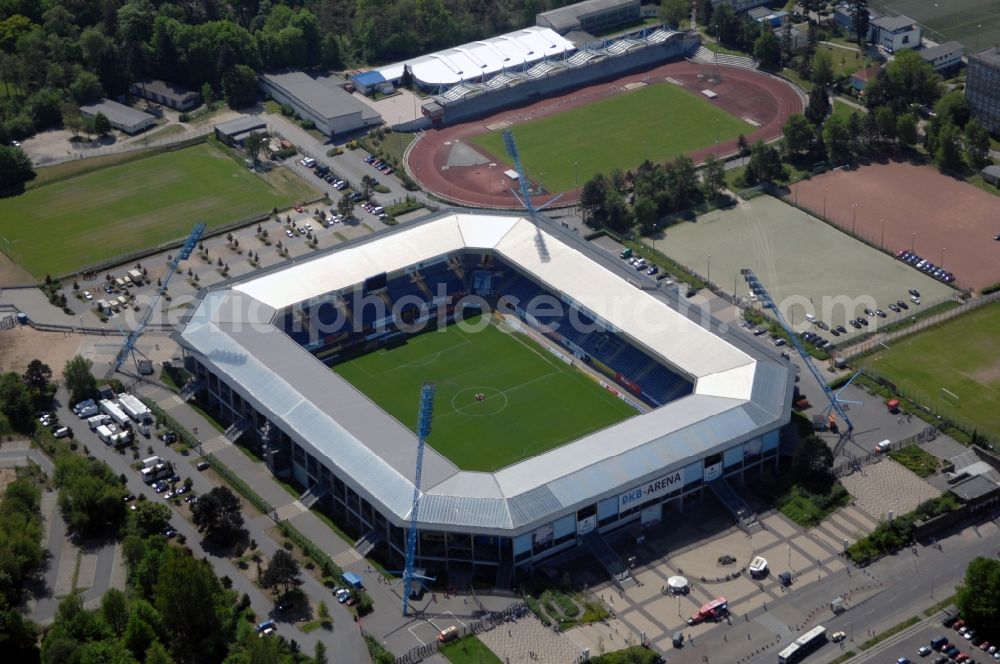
<point x="711" y="405"/>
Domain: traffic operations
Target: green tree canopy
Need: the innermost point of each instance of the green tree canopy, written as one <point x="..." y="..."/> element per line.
<point x="219" y="515"/>
<point x="282" y="573"/>
<point x="798" y="134"/>
<point x="767" y="50"/>
<point x="978" y="597"/>
<point x="811" y="464"/>
<point x="91" y="497"/>
<point x="79" y="380"/>
<point x="15" y="167"/>
<point x="822" y="67"/>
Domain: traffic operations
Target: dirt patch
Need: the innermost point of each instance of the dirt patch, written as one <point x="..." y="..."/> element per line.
<point x="7" y="475"/>
<point x="743" y="93"/>
<point x="12" y="274"/>
<point x="901" y="205"/>
<point x="20" y="345"/>
<point x="988" y="375"/>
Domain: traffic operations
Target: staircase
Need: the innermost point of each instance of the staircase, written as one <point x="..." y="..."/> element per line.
<point x="313" y="494"/>
<point x="190" y="389"/>
<point x="605" y="555"/>
<point x="368" y="542"/>
<point x="707" y="57"/>
<point x="237" y="429"/>
<point x="745" y="517"/>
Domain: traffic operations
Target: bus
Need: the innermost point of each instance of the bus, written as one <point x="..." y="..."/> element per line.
<point x="803" y="645"/>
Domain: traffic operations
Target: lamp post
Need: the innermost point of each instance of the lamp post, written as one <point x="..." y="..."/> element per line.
<point x="881" y="243"/>
<point x="708" y="277"/>
<point x="943" y="249"/>
<point x="913" y="238"/>
<point x="826" y="190"/>
<point x="854" y="220"/>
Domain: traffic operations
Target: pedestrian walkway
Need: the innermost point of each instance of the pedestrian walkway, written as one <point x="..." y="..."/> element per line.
<point x="290" y="510"/>
<point x="346" y="558"/>
<point x="527" y="640"/>
<point x="215" y="445"/>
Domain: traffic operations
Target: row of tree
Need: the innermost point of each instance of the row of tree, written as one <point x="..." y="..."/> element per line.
<point x="644" y="197"/>
<point x="21" y="560"/>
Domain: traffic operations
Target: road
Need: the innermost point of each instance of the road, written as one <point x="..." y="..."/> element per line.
<point x="344" y="638"/>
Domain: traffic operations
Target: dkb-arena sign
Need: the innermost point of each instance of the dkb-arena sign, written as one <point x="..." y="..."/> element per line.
<point x="661" y="486"/>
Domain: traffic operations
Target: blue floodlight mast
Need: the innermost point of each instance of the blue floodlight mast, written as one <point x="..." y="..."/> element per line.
<point x="133" y="337"/>
<point x="765" y="299"/>
<point x="424" y="418"/>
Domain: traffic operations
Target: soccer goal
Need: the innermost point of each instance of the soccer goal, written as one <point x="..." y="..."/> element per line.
<point x="949" y="397"/>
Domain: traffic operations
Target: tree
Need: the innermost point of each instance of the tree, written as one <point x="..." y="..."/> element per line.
<point x="283" y="571"/>
<point x="948" y="150"/>
<point x="953" y="108"/>
<point x="79" y="380"/>
<point x="672" y="12"/>
<point x="767" y="50"/>
<point x="978" y="597"/>
<point x="86" y="87"/>
<point x="114" y="610"/>
<point x="885" y="120"/>
<point x="91" y="498"/>
<point x="798" y="134"/>
<point x="906" y="129"/>
<point x="38" y="374"/>
<point x="218" y="513"/>
<point x="254" y="145"/>
<point x="319" y="654"/>
<point x="703" y="11"/>
<point x="345" y="206"/>
<point x="151" y="517"/>
<point x="743" y="145"/>
<point x="786" y="42"/>
<point x="593" y="200"/>
<point x="194" y="607"/>
<point x="764" y="164"/>
<point x="859" y="20"/>
<point x="811" y="464"/>
<point x="646" y="217"/>
<point x="977" y="144"/>
<point x="239" y="86"/>
<point x="713" y="178"/>
<point x="15" y="168"/>
<point x="818" y="106"/>
<point x="724" y="24"/>
<point x="18" y="402"/>
<point x="102" y="126"/>
<point x="837" y="137"/>
<point x="822" y="68"/>
<point x="157" y="654"/>
<point x="682" y="182"/>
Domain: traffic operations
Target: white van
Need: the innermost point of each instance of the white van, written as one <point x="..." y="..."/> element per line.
<point x="884" y="446"/>
<point x="308" y="162"/>
<point x="811" y="318"/>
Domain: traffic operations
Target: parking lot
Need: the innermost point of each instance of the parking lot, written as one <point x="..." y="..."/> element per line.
<point x="912" y="646"/>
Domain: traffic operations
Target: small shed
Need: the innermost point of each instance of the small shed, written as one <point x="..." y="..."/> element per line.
<point x="991" y="174"/>
<point x="353" y="580"/>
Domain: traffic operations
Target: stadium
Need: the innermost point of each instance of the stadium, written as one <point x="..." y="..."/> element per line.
<point x="318" y="364"/>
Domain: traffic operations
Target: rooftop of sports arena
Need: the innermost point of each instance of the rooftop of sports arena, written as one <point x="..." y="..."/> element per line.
<point x="737" y="391"/>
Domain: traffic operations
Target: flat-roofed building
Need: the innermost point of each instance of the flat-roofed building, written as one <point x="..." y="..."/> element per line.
<point x="168" y="94"/>
<point x="593" y="16"/>
<point x="121" y="117"/>
<point x="946" y="57"/>
<point x="982" y="87"/>
<point x="334" y="110"/>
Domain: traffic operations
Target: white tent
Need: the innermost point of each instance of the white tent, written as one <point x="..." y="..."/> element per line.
<point x="677" y="585"/>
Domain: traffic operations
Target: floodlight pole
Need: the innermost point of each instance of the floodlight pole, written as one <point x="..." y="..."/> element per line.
<point x="425" y="416"/>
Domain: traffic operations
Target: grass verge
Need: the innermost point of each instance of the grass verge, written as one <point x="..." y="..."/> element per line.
<point x="892" y="631"/>
<point x="469" y="650"/>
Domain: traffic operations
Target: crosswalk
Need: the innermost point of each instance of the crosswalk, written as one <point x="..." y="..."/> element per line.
<point x="346" y="558"/>
<point x="290" y="511"/>
<point x="215" y="445"/>
<point x="169" y="402"/>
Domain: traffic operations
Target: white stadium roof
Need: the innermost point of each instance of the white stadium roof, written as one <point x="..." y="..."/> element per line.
<point x="739" y="392"/>
<point x="482" y="59"/>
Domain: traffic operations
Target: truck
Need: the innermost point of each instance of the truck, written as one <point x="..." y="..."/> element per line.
<point x="713" y="611"/>
<point x="151" y="461"/>
<point x="96" y="421"/>
<point x="116" y="414"/>
<point x="136" y="277"/>
<point x="135" y="408"/>
<point x="103" y="306"/>
<point x="158" y="472"/>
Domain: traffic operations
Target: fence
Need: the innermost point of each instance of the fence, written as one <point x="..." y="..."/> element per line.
<point x="857" y="462"/>
<point x="512" y="613"/>
<point x="140" y="144"/>
<point x="883" y="338"/>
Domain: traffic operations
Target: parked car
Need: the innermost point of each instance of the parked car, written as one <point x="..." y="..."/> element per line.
<point x="169" y="437"/>
<point x="62" y="432"/>
<point x="202" y="465"/>
<point x="297" y="208"/>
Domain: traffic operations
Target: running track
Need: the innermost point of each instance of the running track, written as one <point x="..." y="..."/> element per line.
<point x="742" y="92"/>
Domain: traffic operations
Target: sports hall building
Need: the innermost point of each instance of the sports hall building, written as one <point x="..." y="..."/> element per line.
<point x="711" y="407"/>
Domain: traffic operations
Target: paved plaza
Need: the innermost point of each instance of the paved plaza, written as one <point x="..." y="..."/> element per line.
<point x="887" y="487"/>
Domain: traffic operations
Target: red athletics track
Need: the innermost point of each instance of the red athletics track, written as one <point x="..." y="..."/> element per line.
<point x="742" y="92"/>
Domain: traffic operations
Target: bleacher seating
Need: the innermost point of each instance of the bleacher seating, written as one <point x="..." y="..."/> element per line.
<point x="659" y="36"/>
<point x="622" y="46"/>
<point x="581" y="58"/>
<point x="706" y="56"/>
<point x="542" y="69"/>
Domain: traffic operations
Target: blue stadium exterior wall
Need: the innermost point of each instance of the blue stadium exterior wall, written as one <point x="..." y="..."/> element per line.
<point x="531" y="91"/>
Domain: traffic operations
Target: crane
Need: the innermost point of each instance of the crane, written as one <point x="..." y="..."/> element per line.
<point x="525" y="198"/>
<point x="129" y="347"/>
<point x="424" y="417"/>
<point x="836" y="402"/>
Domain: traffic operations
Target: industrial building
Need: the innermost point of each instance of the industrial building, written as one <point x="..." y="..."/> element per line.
<point x="593" y="16"/>
<point x="334" y="111"/>
<point x="122" y="117"/>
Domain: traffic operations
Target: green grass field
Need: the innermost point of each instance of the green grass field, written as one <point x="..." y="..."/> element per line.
<point x="975" y="23"/>
<point x="469" y="650"/>
<point x="534" y="401"/>
<point x="962" y="356"/>
<point x="84" y="219"/>
<point x="657" y="122"/>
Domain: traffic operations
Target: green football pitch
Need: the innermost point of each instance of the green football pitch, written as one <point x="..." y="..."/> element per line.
<point x="961" y="356"/>
<point x="534" y="401"/>
<point x="69" y="224"/>
<point x="656" y="122"/>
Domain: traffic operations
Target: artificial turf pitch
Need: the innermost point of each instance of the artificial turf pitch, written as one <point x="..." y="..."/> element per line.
<point x="83" y="220"/>
<point x="961" y="356"/>
<point x="534" y="401"/>
<point x="656" y="122"/>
